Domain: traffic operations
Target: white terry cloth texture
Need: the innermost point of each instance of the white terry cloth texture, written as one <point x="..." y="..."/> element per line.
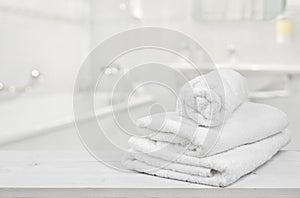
<point x="218" y="170"/>
<point x="211" y="98"/>
<point x="249" y="123"/>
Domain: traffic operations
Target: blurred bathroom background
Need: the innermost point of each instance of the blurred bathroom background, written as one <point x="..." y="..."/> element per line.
<point x="44" y="42"/>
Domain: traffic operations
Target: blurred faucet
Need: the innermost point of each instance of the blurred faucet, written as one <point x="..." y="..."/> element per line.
<point x="112" y="70"/>
<point x="10" y="91"/>
<point x="113" y="74"/>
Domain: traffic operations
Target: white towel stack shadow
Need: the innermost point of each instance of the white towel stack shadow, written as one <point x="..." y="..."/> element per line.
<point x="214" y="137"/>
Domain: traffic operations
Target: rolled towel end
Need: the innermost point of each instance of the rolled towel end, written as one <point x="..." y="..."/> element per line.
<point x="210" y="98"/>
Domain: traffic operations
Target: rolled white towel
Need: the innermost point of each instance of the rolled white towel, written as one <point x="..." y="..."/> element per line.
<point x="211" y="98"/>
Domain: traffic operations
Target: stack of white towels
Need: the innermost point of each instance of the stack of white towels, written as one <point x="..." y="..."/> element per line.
<point x="214" y="137"/>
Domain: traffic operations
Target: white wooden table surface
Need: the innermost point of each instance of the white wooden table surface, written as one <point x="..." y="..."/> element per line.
<point x="77" y="174"/>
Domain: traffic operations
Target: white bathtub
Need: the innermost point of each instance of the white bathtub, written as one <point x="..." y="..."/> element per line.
<point x="48" y="123"/>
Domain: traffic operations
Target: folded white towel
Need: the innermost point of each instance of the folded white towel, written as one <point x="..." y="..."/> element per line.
<point x="211" y="98"/>
<point x="249" y="123"/>
<point x="218" y="170"/>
